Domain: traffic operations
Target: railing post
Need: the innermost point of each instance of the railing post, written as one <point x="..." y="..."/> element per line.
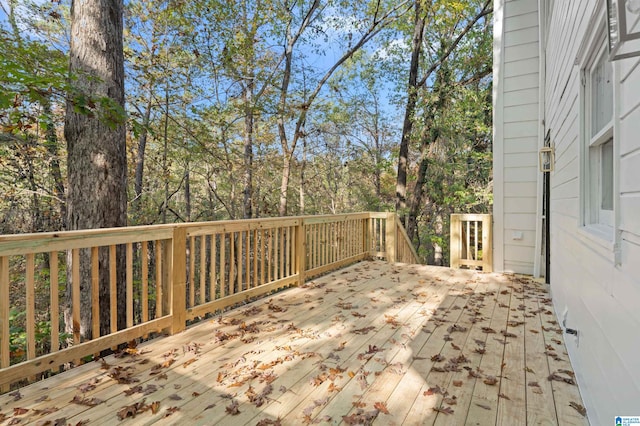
<point x="487" y="243"/>
<point x="179" y="280"/>
<point x="390" y="237"/>
<point x="301" y="252"/>
<point x="455" y="241"/>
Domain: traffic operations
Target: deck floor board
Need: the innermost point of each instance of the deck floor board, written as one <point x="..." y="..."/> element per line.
<point x="373" y="343"/>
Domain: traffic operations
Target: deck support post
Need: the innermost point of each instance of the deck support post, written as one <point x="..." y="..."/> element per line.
<point x="301" y="252"/>
<point x="390" y="237"/>
<point x="179" y="280"/>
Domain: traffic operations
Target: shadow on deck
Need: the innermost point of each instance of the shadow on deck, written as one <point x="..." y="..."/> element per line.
<point x="373" y="343"/>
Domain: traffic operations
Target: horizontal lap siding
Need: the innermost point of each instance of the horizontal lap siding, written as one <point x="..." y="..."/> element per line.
<point x="519" y="121"/>
<point x="601" y="298"/>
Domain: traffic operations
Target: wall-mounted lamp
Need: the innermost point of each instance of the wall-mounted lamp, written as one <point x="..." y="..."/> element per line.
<point x="623" y="21"/>
<point x="547" y="158"/>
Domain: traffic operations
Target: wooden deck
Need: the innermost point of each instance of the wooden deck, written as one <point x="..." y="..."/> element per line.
<point x="373" y="343"/>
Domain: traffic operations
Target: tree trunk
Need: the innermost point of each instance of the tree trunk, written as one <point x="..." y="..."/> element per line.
<point x="187" y="192"/>
<point x="142" y="146"/>
<point x="165" y="164"/>
<point x="247" y="211"/>
<point x="412" y="98"/>
<point x="96" y="145"/>
<point x="51" y="144"/>
<point x="284" y="186"/>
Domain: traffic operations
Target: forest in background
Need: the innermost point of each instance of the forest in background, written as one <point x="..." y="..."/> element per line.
<point x="261" y="108"/>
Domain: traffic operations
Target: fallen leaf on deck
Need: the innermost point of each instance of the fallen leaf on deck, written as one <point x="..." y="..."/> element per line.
<point x="16" y="395"/>
<point x="267" y="422"/>
<point x="122" y="375"/>
<point x="567" y="372"/>
<point x="579" y="408"/>
<point x="174" y="397"/>
<point x="456" y="328"/>
<point x="443" y="410"/>
<point x="392" y="319"/>
<point x="233" y="407"/>
<point x="437" y="358"/>
<point x="360" y="417"/>
<point x="490" y="380"/>
<point x="434" y="390"/>
<point x="486" y="407"/>
<point x="488" y="330"/>
<point x="89" y="402"/>
<point x="187" y="363"/>
<point x="363" y="330"/>
<point x="558" y="378"/>
<point x="381" y="406"/>
<point x="457" y="383"/>
<point x="132" y="410"/>
<point x="452" y="400"/>
<point x="18" y="411"/>
<point x="501" y="395"/>
<point x="454" y="346"/>
<point x="170" y="411"/>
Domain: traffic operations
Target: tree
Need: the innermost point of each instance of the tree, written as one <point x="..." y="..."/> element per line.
<point x="95" y="133"/>
<point x="452" y="20"/>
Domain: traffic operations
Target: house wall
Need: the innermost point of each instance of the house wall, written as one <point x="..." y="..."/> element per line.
<point x="594" y="281"/>
<point x="516" y="133"/>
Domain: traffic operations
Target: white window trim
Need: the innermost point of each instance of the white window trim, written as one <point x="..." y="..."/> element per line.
<point x="607" y="238"/>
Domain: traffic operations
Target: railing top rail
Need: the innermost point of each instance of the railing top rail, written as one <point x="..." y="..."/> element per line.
<point x="470" y="216"/>
<point x="18" y="244"/>
<point x="59" y="241"/>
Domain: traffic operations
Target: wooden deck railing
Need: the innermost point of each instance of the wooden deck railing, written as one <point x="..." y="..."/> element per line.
<point x="173" y="274"/>
<point x="470" y="245"/>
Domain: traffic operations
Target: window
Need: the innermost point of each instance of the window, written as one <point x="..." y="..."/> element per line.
<point x="599" y="140"/>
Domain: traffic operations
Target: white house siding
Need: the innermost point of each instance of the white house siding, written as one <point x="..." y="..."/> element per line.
<point x="516" y="126"/>
<point x="597" y="287"/>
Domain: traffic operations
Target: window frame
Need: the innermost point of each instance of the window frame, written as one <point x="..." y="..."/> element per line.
<point x="597" y="221"/>
<point x="594" y="175"/>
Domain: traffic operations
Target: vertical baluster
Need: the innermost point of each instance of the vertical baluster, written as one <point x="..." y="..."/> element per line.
<point x="262" y="231"/>
<point x="281" y="254"/>
<point x="239" y="262"/>
<point x="54" y="307"/>
<point x="192" y="271"/>
<point x="213" y="260"/>
<point x="292" y="255"/>
<point x="5" y="355"/>
<point x="129" y="283"/>
<point x="255" y="258"/>
<point x="158" y="248"/>
<point x="113" y="290"/>
<point x="475" y="242"/>
<point x="75" y="295"/>
<point x="30" y="282"/>
<point x="247" y="259"/>
<point x="287" y="251"/>
<point x="269" y="255"/>
<point x="203" y="269"/>
<point x="232" y="263"/>
<point x="223" y="252"/>
<point x="95" y="293"/>
<point x="144" y="263"/>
